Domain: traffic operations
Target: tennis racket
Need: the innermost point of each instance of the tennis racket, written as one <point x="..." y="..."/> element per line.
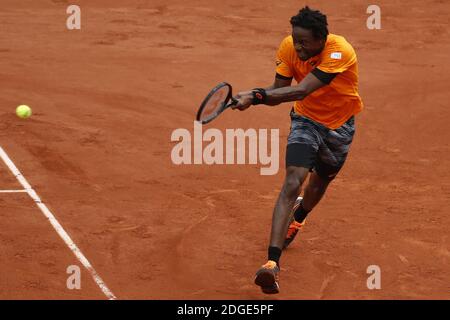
<point x="217" y="101"/>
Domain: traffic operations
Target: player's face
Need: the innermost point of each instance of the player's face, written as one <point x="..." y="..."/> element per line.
<point x="305" y="44"/>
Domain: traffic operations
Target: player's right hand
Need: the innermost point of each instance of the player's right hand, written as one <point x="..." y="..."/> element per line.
<point x="245" y="99"/>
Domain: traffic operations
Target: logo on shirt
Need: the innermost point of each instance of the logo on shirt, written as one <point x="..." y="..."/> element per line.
<point x="336" y="55"/>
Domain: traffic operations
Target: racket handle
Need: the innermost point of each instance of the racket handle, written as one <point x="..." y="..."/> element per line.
<point x="233" y="101"/>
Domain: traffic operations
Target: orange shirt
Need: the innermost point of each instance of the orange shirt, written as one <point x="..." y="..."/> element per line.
<point x="333" y="104"/>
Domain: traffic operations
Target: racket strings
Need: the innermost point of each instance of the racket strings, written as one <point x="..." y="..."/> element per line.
<point x="215" y="103"/>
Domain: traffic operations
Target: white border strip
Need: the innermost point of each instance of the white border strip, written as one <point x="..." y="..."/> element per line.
<point x="59" y="229"/>
<point x="12" y="191"/>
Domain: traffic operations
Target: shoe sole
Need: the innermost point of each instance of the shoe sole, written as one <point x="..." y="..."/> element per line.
<point x="266" y="280"/>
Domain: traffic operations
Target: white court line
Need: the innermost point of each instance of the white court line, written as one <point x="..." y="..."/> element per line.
<point x="12" y="191"/>
<point x="59" y="229"/>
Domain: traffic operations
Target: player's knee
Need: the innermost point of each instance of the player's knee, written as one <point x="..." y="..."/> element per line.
<point x="292" y="186"/>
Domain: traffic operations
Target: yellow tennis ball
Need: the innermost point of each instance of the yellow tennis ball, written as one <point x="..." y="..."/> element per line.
<point x="23" y="111"/>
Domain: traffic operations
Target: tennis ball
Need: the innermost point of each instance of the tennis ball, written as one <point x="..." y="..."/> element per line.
<point x="23" y="111"/>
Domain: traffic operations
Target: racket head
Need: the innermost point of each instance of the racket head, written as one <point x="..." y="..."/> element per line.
<point x="217" y="100"/>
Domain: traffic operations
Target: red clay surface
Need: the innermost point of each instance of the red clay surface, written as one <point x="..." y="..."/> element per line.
<point x="97" y="150"/>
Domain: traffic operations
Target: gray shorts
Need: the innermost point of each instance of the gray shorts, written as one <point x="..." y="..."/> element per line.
<point x="312" y="145"/>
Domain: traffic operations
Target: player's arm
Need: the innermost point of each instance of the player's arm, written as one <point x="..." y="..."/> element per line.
<point x="314" y="80"/>
<point x="246" y="97"/>
<point x="275" y="95"/>
<point x="280" y="82"/>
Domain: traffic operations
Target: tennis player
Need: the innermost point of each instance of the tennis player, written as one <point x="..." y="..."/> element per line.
<point x="326" y="99"/>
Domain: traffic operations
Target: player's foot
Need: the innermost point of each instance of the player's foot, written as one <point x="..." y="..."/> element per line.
<point x="294" y="226"/>
<point x="267" y="277"/>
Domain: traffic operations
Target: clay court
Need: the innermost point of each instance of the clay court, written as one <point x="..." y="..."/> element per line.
<point x="97" y="149"/>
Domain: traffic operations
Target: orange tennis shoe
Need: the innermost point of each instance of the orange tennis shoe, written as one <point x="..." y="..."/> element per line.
<point x="295" y="226"/>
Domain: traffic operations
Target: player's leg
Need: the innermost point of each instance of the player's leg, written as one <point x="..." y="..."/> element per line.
<point x="267" y="275"/>
<point x="314" y="191"/>
<point x="295" y="176"/>
<point x="301" y="154"/>
<point x="331" y="158"/>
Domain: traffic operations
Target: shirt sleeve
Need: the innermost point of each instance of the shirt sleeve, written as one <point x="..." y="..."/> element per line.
<point x="283" y="60"/>
<point x="337" y="59"/>
<point x="324" y="76"/>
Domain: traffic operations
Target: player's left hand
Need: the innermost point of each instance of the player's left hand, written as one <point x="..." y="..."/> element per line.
<point x="245" y="99"/>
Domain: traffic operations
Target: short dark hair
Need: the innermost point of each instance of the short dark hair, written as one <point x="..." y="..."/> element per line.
<point x="313" y="20"/>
